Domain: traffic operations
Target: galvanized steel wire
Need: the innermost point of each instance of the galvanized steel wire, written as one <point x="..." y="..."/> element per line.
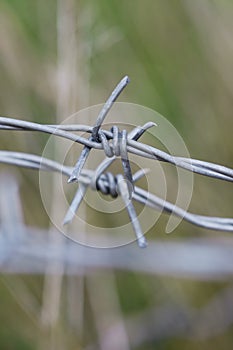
<point x="115" y="143"/>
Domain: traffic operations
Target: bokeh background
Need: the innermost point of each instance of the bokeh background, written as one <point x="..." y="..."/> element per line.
<point x="57" y="57"/>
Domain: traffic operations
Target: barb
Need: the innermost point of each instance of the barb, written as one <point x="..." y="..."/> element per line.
<point x="140" y="195"/>
<point x="95" y="132"/>
<point x="135" y="134"/>
<point x="197" y="166"/>
<point x="115" y="143"/>
<point x="131" y="211"/>
<point x="32" y="251"/>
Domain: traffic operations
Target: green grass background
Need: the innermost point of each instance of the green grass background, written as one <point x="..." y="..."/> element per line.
<point x="179" y="56"/>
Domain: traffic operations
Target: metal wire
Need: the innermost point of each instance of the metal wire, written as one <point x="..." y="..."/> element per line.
<point x="139" y="194"/>
<point x="115" y="143"/>
<point x="197" y="166"/>
<point x="25" y="249"/>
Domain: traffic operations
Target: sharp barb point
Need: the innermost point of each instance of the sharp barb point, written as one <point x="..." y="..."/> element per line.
<point x="111" y="144"/>
<point x="142" y="243"/>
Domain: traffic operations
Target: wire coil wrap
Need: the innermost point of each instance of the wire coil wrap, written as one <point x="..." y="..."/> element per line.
<point x="115" y="143"/>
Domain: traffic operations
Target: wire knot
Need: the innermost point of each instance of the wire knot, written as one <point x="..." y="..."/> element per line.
<point x="106" y="183"/>
<point x="117" y="146"/>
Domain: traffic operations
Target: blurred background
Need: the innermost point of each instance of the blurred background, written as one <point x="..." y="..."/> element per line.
<point x="57" y="57"/>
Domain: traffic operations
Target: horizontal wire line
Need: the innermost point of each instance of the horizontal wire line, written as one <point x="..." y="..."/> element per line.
<point x="139" y="194"/>
<point x="115" y="143"/>
<point x="198" y="166"/>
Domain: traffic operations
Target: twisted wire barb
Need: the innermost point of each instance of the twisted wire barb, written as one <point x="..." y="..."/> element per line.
<point x="197" y="166"/>
<point x="151" y="200"/>
<point x="115" y="143"/>
<point x="95" y="134"/>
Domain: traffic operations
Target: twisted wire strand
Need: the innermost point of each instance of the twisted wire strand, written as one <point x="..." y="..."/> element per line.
<point x="133" y="146"/>
<point x="115" y="143"/>
<point x="140" y="195"/>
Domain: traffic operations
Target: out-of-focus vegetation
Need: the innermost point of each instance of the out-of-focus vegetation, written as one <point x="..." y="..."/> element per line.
<point x="59" y="57"/>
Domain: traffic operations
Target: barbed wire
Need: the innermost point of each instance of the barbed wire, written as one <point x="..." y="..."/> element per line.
<point x="28" y="250"/>
<point x="25" y="249"/>
<point x="114" y="143"/>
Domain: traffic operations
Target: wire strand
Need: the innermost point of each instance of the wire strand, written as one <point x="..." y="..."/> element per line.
<point x="115" y="142"/>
